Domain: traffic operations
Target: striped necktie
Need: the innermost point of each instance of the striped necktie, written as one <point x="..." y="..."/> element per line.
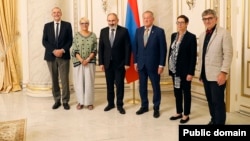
<point x="145" y="36"/>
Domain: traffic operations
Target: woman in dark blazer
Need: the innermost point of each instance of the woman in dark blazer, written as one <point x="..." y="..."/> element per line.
<point x="182" y="61"/>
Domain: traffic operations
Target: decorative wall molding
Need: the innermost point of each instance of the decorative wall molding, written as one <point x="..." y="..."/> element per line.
<point x="245" y="87"/>
<point x="75" y="11"/>
<point x="248" y="18"/>
<point x="245" y="109"/>
<point x="191" y="4"/>
<point x="248" y="74"/>
<point x="105" y="6"/>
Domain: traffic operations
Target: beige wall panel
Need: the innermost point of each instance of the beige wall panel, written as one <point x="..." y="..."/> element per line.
<point x="246" y="51"/>
<point x="193" y="12"/>
<point x="244" y="98"/>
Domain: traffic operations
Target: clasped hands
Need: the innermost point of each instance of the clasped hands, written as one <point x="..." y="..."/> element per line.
<point x="85" y="62"/>
<point x="58" y="52"/>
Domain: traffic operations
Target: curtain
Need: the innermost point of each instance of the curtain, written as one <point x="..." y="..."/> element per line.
<point x="9" y="56"/>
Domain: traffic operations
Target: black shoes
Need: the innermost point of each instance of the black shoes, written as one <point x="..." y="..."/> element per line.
<point x="121" y="110"/>
<point x="184" y="120"/>
<point x="109" y="108"/>
<point x="178" y="117"/>
<point x="56" y="105"/>
<point x="175" y="118"/>
<point x="144" y="110"/>
<point x="156" y="114"/>
<point x="66" y="106"/>
<point x="141" y="111"/>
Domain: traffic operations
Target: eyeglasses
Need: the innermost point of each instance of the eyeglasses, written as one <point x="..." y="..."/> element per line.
<point x="180" y="23"/>
<point x="84" y="23"/>
<point x="207" y="19"/>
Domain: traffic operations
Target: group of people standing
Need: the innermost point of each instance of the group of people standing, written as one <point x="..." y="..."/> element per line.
<point x="150" y="55"/>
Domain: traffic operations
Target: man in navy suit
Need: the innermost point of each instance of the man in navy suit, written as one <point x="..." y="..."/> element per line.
<point x="57" y="40"/>
<point x="114" y="59"/>
<point x="150" y="59"/>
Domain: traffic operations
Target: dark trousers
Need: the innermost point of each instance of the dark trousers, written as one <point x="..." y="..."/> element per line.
<point x="143" y="87"/>
<point x="60" y="67"/>
<point x="115" y="77"/>
<point x="215" y="98"/>
<point x="183" y="97"/>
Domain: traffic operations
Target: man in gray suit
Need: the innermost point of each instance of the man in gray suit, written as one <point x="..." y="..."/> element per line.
<point x="216" y="53"/>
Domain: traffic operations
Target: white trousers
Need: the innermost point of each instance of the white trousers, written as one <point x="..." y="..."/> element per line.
<point x="84" y="77"/>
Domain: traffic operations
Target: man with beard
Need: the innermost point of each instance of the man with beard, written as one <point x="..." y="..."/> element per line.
<point x="114" y="59"/>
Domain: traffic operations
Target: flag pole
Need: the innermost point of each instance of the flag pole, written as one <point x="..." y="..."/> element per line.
<point x="134" y="100"/>
<point x="132" y="23"/>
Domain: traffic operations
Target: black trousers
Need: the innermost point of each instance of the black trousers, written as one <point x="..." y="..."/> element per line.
<point x="115" y="77"/>
<point x="183" y="97"/>
<point x="215" y="98"/>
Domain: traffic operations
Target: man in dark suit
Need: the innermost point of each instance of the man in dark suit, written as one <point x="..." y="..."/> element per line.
<point x="150" y="59"/>
<point x="57" y="40"/>
<point x="114" y="59"/>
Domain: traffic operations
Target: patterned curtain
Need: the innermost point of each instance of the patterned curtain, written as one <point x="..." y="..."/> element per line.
<point x="9" y="53"/>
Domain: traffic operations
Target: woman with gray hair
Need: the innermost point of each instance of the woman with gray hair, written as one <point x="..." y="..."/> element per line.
<point x="84" y="51"/>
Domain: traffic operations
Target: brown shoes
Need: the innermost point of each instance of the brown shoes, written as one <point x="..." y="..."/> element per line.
<point x="90" y="107"/>
<point x="79" y="106"/>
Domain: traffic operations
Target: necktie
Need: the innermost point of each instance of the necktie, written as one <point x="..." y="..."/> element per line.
<point x="57" y="27"/>
<point x="145" y="36"/>
<point x="112" y="36"/>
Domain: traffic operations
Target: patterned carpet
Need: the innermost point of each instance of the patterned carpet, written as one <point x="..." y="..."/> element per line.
<point x="13" y="130"/>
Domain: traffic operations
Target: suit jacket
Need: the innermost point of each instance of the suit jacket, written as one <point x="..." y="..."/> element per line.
<point x="154" y="53"/>
<point x="64" y="40"/>
<point x="219" y="53"/>
<point x="120" y="53"/>
<point x="187" y="54"/>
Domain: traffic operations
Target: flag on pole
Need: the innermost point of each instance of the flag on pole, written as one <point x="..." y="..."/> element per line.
<point x="132" y="23"/>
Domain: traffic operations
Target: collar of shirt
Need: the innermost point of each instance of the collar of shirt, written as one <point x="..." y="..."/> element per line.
<point x="110" y="28"/>
<point x="149" y="29"/>
<point x="210" y="31"/>
<point x="57" y="22"/>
